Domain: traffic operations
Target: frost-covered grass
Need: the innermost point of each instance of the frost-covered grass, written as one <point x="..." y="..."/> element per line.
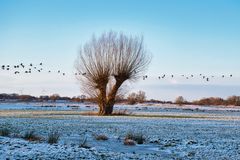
<point x="167" y="133"/>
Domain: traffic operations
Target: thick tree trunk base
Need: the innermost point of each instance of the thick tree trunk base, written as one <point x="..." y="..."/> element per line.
<point x="105" y="111"/>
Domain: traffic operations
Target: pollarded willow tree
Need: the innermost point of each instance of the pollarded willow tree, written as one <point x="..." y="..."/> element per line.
<point x="106" y="62"/>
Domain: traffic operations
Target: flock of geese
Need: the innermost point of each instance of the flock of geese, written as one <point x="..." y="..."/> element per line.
<point x="27" y="68"/>
<point x="204" y="77"/>
<point x="30" y="68"/>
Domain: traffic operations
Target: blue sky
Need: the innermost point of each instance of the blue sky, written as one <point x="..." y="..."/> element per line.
<point x="184" y="37"/>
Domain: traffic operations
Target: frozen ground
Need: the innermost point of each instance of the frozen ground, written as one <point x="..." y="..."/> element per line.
<point x="201" y="133"/>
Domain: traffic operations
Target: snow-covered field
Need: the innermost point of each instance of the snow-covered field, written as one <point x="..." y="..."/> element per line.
<point x="171" y="132"/>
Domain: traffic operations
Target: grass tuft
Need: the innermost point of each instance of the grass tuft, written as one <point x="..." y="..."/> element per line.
<point x="84" y="144"/>
<point x="137" y="137"/>
<point x="5" y="132"/>
<point x="101" y="137"/>
<point x="129" y="142"/>
<point x="53" y="137"/>
<point x="31" y="136"/>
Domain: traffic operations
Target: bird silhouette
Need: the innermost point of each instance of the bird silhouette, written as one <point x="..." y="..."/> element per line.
<point x="21" y="64"/>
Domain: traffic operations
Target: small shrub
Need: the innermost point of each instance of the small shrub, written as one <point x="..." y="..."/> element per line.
<point x="53" y="137"/>
<point x="101" y="137"/>
<point x="180" y="100"/>
<point x="31" y="136"/>
<point x="5" y="132"/>
<point x="134" y="98"/>
<point x="138" y="137"/>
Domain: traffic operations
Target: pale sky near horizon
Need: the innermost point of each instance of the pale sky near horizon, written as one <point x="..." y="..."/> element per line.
<point x="184" y="37"/>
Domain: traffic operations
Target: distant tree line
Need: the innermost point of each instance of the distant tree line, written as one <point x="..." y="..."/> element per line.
<point x="132" y="98"/>
<point x="52" y="98"/>
<point x="232" y="100"/>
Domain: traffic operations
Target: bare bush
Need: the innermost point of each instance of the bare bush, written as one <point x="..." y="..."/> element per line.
<point x="134" y="98"/>
<point x="105" y="63"/>
<point x="180" y="100"/>
<point x="233" y="100"/>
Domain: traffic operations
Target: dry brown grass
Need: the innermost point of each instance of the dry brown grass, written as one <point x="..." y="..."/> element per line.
<point x="121" y="113"/>
<point x="101" y="137"/>
<point x="137" y="137"/>
<point x="89" y="113"/>
<point x="129" y="142"/>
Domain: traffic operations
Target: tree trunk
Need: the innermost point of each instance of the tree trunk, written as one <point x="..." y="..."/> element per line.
<point x="111" y="97"/>
<point x="105" y="109"/>
<point x="106" y="103"/>
<point x="102" y="101"/>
